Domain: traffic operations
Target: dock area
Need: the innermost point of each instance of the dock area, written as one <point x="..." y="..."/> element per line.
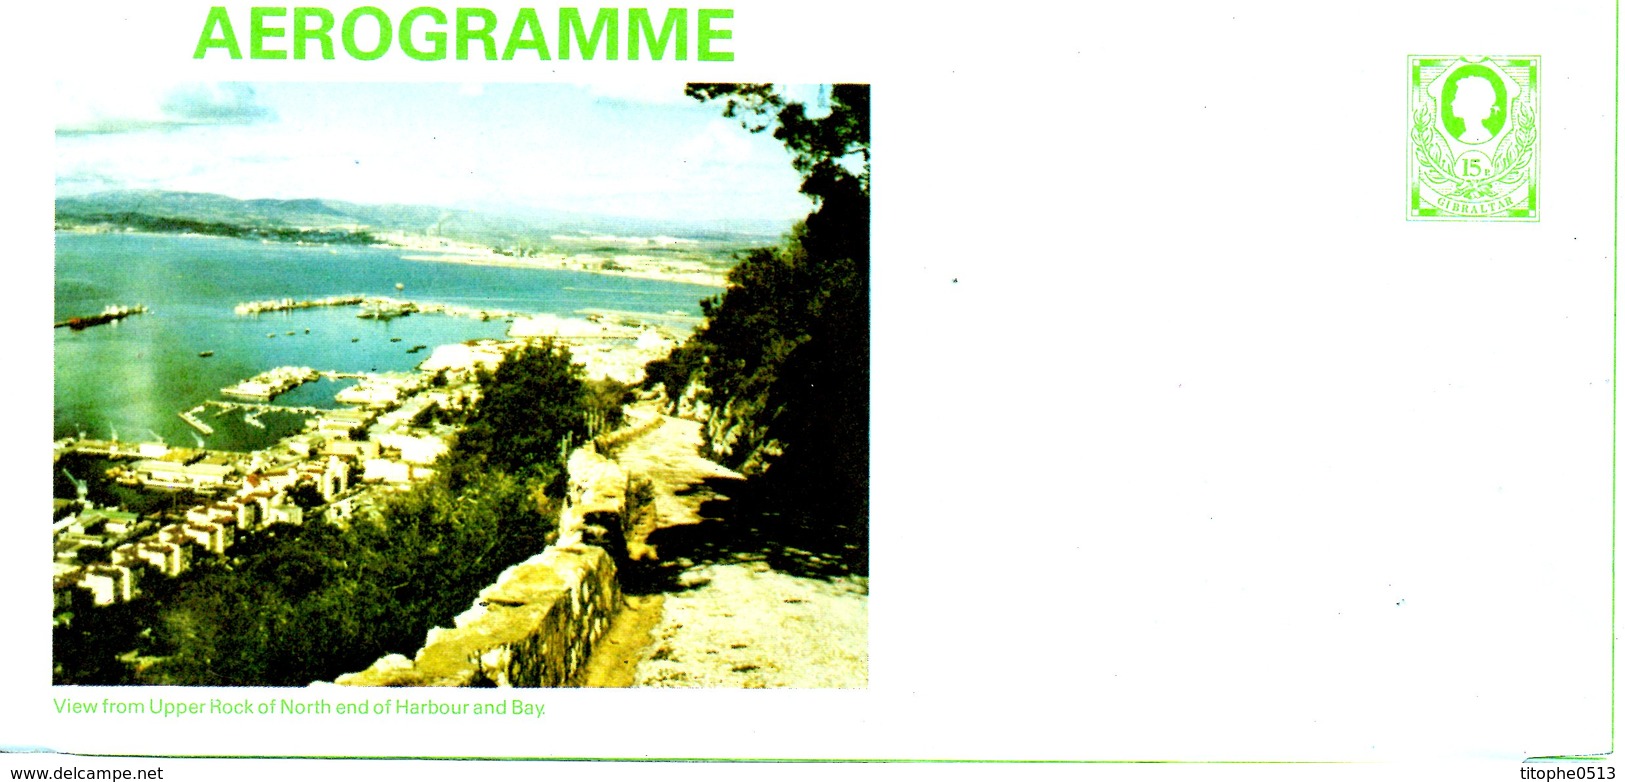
<point x="371" y="307"/>
<point x="270" y="383"/>
<point x="110" y="448"/>
<point x="259" y="407"/>
<point x="190" y="417"/>
<point x="284" y="305"/>
<point x="384" y="308"/>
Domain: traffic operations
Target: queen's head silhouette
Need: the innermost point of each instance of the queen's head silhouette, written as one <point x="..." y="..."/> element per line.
<point x="1473" y="104"/>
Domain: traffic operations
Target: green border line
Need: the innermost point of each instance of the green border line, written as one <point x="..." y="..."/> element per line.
<point x="1613" y="609"/>
<point x="922" y="761"/>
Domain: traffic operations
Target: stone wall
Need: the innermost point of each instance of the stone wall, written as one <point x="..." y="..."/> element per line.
<point x="536" y="626"/>
<point x="631" y="430"/>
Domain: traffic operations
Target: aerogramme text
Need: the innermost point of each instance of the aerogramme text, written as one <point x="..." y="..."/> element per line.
<point x="431" y="33"/>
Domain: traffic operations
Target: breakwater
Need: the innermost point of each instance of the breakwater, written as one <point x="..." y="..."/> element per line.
<point x="284" y="305"/>
<point x="112" y="314"/>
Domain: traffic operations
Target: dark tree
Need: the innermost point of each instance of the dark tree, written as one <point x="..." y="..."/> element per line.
<point x="829" y="152"/>
<point x="786" y="347"/>
<point x="530" y="411"/>
<point x="306" y="495"/>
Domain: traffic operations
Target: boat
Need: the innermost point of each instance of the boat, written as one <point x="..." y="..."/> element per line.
<point x="385" y="310"/>
<point x="290" y="333"/>
<point x="271" y="335"/>
<point x="416" y="348"/>
<point x="394" y="339"/>
<point x="205" y="354"/>
<point x="355" y="339"/>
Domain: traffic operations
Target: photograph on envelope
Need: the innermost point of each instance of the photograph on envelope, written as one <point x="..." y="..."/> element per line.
<point x="461" y="385"/>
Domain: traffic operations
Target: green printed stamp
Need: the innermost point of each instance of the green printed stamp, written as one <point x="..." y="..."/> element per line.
<point x="1474" y="146"/>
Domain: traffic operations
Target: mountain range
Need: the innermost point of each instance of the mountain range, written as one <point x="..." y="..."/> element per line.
<point x="504" y="229"/>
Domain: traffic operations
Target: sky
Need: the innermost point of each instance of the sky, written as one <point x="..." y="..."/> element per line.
<point x="630" y="150"/>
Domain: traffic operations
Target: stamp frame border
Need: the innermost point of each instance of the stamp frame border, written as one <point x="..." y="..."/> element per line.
<point x="1413" y="212"/>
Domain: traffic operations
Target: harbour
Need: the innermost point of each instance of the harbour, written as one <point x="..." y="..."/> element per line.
<point x="141" y="374"/>
<point x="272" y="383"/>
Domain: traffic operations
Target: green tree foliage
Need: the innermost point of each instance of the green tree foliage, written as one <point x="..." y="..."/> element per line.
<point x="786" y="347"/>
<point x="309" y="603"/>
<point x="529" y="408"/>
<point x="79" y="649"/>
<point x="823" y="148"/>
<point x="603" y="403"/>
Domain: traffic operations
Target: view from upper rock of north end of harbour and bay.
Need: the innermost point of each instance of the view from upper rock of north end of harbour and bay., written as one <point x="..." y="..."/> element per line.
<point x="234" y="407"/>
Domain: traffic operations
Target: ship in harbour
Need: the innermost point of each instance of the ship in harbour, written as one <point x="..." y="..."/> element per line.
<point x="384" y="309"/>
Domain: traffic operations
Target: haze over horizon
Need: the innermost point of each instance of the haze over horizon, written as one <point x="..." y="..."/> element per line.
<point x="629" y="151"/>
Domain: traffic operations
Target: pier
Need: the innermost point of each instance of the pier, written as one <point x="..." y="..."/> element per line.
<point x="284" y="305"/>
<point x="269" y="384"/>
<point x="372" y="307"/>
<point x="261" y="407"/>
<point x="110" y="448"/>
<point x="190" y="417"/>
<point x="396" y="307"/>
<point x="460" y="311"/>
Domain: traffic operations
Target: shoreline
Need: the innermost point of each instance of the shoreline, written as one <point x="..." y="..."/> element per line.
<point x="457" y="253"/>
<point x="717" y="281"/>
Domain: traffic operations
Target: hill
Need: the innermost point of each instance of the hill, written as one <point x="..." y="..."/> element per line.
<point x="522" y="230"/>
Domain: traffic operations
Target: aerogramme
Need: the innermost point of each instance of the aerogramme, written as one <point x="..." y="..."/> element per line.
<point x="430" y="33"/>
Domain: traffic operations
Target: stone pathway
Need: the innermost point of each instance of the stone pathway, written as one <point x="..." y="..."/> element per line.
<point x="734" y="610"/>
<point x="668" y="455"/>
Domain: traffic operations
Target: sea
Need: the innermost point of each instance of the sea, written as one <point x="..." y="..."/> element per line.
<point x="131" y="379"/>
